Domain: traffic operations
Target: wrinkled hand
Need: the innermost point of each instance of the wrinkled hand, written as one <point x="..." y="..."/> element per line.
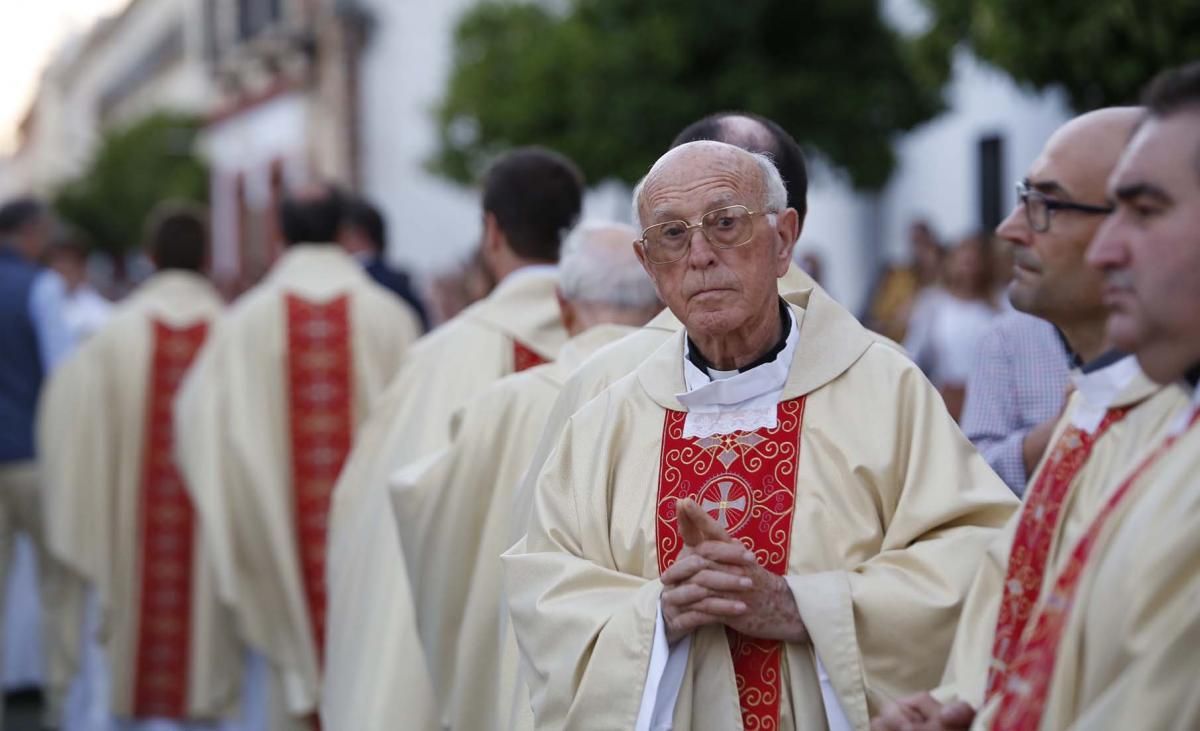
<point x="717" y="581"/>
<point x="923" y="713"/>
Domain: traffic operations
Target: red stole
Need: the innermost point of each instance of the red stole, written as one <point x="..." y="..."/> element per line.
<point x="524" y="357"/>
<point x="320" y="397"/>
<point x="167" y="529"/>
<point x="747" y="482"/>
<point x="1023" y="697"/>
<point x="1034" y="537"/>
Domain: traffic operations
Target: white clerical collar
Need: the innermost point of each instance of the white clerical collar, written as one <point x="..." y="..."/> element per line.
<point x="526" y="272"/>
<point x="722" y="402"/>
<point x="1099" y="388"/>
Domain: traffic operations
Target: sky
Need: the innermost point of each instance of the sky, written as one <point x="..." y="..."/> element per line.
<point x="30" y="31"/>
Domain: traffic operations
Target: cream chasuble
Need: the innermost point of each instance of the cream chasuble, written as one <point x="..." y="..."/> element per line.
<point x="263" y="424"/>
<point x="600" y="371"/>
<point x="452" y="511"/>
<point x="1088" y="454"/>
<point x="371" y="631"/>
<point x="864" y="495"/>
<point x="1115" y="647"/>
<point x="118" y="514"/>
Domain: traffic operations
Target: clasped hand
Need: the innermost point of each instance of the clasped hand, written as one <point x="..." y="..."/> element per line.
<point x="717" y="581"/>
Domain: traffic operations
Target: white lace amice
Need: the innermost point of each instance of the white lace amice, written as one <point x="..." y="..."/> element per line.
<point x="700" y="424"/>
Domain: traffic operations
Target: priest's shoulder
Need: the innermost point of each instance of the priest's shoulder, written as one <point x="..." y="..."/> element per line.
<point x="455" y="337"/>
<point x="616" y="359"/>
<point x="623" y="398"/>
<point x="888" y="359"/>
<point x="380" y="298"/>
<point x="527" y="386"/>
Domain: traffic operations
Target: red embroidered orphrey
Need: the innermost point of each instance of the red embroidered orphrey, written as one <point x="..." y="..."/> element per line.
<point x="167" y="527"/>
<point x="1023" y="697"/>
<point x="320" y="397"/>
<point x="524" y="357"/>
<point x="747" y="482"/>
<point x="1034" y="537"/>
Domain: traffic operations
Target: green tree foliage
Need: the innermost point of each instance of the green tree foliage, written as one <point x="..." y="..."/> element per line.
<point x="611" y="82"/>
<point x="134" y="169"/>
<point x="1102" y="52"/>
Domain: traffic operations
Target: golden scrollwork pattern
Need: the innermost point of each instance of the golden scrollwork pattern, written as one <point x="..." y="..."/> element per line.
<point x="747" y="482"/>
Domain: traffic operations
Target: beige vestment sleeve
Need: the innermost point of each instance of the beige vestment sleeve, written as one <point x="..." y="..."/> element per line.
<point x="886" y="625"/>
<point x="596" y="621"/>
<point x="78" y="482"/>
<point x="78" y="465"/>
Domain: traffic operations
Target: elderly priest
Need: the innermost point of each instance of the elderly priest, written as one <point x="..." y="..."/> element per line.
<point x="770" y="523"/>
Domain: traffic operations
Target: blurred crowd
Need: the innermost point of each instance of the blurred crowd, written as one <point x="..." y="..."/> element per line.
<point x="941" y="302"/>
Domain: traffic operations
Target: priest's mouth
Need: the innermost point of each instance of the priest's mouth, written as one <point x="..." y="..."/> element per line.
<point x="710" y="291"/>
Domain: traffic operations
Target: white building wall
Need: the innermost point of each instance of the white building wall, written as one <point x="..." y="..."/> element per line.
<point x="937" y="172"/>
<point x="433" y="223"/>
<point x="404" y="70"/>
<point x="936" y="178"/>
<point x="246" y="145"/>
<point x="840" y="229"/>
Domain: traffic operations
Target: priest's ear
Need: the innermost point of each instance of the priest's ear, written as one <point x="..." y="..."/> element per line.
<point x="566" y="311"/>
<point x="494" y="241"/>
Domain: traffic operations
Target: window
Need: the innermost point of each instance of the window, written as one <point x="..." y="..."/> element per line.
<point x="255" y="16"/>
<point x="991" y="182"/>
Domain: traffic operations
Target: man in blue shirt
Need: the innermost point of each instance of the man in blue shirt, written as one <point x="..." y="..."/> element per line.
<point x="363" y="233"/>
<point x="33" y="338"/>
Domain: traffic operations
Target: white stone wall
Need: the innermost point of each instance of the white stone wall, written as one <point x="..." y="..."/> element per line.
<point x="404" y="68"/>
<point x="937" y="174"/>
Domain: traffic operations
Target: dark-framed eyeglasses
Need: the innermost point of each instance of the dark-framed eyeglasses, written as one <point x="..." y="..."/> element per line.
<point x="1039" y="207"/>
<point x="725" y="228"/>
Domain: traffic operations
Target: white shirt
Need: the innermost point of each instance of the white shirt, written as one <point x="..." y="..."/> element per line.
<point x="1099" y="389"/>
<point x="85" y="312"/>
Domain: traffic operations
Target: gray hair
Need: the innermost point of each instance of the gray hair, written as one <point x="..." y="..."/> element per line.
<point x="596" y="271"/>
<point x="774" y="193"/>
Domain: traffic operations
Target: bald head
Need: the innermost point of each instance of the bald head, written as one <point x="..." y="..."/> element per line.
<point x="1086" y="149"/>
<point x="740" y="177"/>
<point x="757" y="134"/>
<point x="1050" y="231"/>
<point x="311" y="214"/>
<point x="601" y="280"/>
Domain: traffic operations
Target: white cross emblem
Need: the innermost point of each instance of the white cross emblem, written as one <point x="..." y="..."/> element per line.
<point x="723" y="505"/>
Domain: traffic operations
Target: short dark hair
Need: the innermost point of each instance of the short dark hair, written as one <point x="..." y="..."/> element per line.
<point x="18" y="213"/>
<point x="776" y="143"/>
<point x="1173" y="91"/>
<point x="177" y="236"/>
<point x="536" y="195"/>
<point x="364" y="216"/>
<point x="312" y="218"/>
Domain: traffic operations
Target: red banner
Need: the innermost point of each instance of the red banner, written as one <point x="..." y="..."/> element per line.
<point x="747" y="482"/>
<point x="321" y="400"/>
<point x="166" y="530"/>
<point x="1035" y="537"/>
